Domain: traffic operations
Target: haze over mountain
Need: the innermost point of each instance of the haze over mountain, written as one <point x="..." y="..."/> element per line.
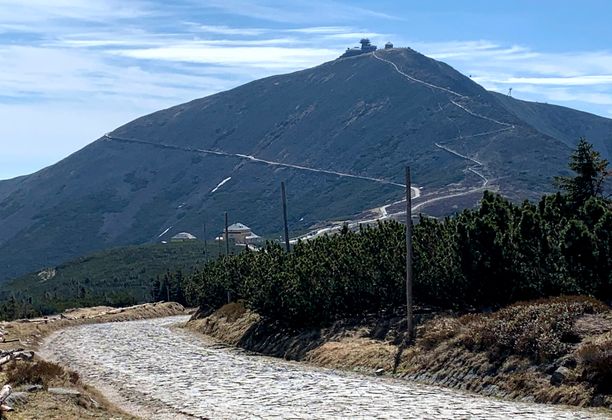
<point x="366" y="116"/>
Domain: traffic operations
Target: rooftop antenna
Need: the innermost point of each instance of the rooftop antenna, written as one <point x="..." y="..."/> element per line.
<point x="510" y="92"/>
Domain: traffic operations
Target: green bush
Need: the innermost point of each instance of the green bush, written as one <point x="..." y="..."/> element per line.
<point x="489" y="257"/>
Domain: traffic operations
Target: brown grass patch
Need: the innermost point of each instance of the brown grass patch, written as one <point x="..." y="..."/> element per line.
<point x="232" y="311"/>
<point x="596" y="358"/>
<point x="437" y="331"/>
<point x="349" y="353"/>
<point x="541" y="330"/>
<point x="37" y="373"/>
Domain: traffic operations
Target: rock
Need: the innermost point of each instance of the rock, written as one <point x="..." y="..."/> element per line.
<point x="65" y="391"/>
<point x="550" y="369"/>
<point x="568" y="361"/>
<point x="559" y="376"/>
<point x="87" y="402"/>
<point x="16" y="399"/>
<point x="32" y="388"/>
<point x="24" y="355"/>
<point x="490" y="390"/>
<point x="598" y="400"/>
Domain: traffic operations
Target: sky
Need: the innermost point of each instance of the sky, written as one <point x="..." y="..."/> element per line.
<point x="71" y="70"/>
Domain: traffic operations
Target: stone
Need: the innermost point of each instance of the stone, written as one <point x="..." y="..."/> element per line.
<point x="87" y="402"/>
<point x="71" y="392"/>
<point x="550" y="369"/>
<point x="16" y="399"/>
<point x="598" y="400"/>
<point x="559" y="376"/>
<point x="568" y="361"/>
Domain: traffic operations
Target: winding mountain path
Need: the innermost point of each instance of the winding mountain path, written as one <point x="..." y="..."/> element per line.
<point x="472" y="169"/>
<point x="414" y="79"/>
<point x="475" y="169"/>
<point x="159" y="372"/>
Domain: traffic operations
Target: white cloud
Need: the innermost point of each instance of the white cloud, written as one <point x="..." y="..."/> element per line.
<point x="562" y="81"/>
<point x="227" y="30"/>
<point x="30" y="11"/>
<point x="355" y="36"/>
<point x="261" y="57"/>
<point x="322" y="30"/>
<point x="299" y="12"/>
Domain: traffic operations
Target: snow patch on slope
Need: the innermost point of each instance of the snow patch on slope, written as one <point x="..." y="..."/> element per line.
<point x="221" y="184"/>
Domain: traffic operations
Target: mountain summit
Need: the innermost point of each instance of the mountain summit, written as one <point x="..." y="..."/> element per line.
<point x="339" y="134"/>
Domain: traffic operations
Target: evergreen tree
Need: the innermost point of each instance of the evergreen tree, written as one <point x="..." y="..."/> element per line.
<point x="591" y="171"/>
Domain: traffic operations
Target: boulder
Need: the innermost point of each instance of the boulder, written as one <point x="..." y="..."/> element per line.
<point x="559" y="376"/>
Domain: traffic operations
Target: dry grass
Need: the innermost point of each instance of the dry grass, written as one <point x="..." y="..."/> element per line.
<point x="437" y="331"/>
<point x="596" y="358"/>
<point x="541" y="330"/>
<point x="228" y="324"/>
<point x="350" y="353"/>
<point x="232" y="311"/>
<point x="40" y="372"/>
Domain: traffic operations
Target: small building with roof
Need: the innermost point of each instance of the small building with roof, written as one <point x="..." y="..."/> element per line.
<point x="183" y="236"/>
<point x="240" y="234"/>
<point x="366" y="47"/>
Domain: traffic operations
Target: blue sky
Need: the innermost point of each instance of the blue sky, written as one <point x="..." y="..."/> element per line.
<point x="71" y="70"/>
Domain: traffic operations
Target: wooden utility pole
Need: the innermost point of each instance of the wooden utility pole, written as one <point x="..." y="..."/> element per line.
<point x="226" y="236"/>
<point x="229" y="295"/>
<point x="205" y="241"/>
<point x="409" y="315"/>
<point x="284" y="200"/>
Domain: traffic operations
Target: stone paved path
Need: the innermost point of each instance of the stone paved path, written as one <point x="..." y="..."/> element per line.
<point x="160" y="372"/>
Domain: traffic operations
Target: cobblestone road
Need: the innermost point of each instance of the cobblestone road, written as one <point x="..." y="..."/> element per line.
<point x="160" y="372"/>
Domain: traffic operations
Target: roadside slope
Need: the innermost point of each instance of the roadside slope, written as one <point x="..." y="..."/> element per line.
<point x="561" y="359"/>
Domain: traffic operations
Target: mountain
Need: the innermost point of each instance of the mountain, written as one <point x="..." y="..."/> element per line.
<point x="339" y="134"/>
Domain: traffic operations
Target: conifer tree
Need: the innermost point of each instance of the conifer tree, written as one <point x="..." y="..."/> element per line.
<point x="591" y="171"/>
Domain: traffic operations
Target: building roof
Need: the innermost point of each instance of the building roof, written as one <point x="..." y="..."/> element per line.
<point x="183" y="235"/>
<point x="238" y="227"/>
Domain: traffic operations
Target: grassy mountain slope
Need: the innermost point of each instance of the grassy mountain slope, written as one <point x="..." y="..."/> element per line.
<point x="116" y="276"/>
<point x="357" y="115"/>
<point x="563" y="123"/>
